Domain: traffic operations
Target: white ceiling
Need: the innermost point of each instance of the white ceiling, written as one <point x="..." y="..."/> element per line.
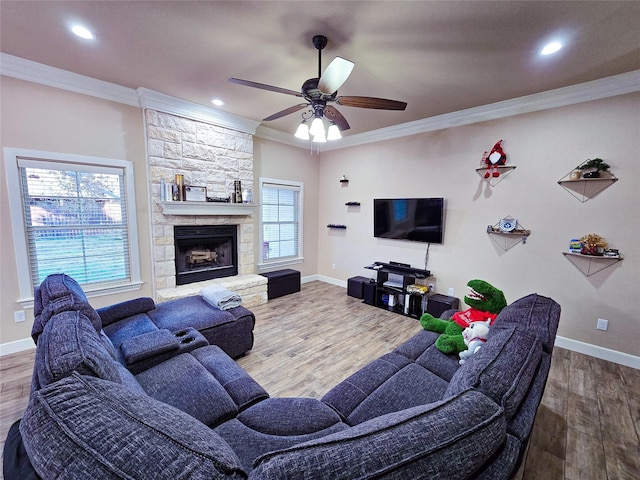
<point x="438" y="56"/>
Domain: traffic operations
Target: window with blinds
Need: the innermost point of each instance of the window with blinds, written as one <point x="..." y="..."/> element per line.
<point x="281" y="221"/>
<point x="75" y="221"/>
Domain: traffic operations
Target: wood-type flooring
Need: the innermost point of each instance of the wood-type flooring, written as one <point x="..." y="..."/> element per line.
<point x="587" y="426"/>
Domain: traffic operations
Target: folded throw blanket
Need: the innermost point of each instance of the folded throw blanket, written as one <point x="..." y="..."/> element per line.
<point x="220" y="297"/>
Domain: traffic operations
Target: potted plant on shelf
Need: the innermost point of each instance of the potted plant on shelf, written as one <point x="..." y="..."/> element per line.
<point x="592" y="168"/>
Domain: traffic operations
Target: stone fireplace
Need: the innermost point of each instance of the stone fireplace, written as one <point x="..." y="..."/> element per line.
<point x="208" y="156"/>
<point x="205" y="252"/>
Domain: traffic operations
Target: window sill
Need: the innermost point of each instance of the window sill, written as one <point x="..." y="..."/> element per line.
<point x="280" y="263"/>
<point x="97" y="292"/>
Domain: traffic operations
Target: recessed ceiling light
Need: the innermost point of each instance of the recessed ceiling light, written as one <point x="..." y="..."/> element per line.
<point x="217" y="102"/>
<point x="83" y="32"/>
<point x="550" y="48"/>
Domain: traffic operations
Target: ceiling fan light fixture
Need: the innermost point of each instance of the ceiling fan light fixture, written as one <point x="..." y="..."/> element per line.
<point x="334" y="132"/>
<point x="303" y="131"/>
<point x="320" y="137"/>
<point x="317" y="127"/>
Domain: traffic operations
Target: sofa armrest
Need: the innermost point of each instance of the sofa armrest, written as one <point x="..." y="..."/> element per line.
<point x="147" y="345"/>
<point x="149" y="349"/>
<point x="125" y="309"/>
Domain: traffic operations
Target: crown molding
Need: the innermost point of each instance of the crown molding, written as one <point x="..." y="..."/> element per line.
<point x="583" y="92"/>
<point x="54" y="77"/>
<point x="23" y="69"/>
<point x="183" y="108"/>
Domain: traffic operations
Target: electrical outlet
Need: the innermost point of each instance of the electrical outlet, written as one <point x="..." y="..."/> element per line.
<point x="451" y="292"/>
<point x="18" y="316"/>
<point x="333" y="266"/>
<point x="602" y="324"/>
<point x="432" y="287"/>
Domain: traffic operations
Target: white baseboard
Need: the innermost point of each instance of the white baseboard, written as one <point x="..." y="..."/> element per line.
<point x="16" y="346"/>
<point x="599" y="352"/>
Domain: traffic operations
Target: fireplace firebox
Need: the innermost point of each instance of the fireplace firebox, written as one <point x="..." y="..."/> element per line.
<point x="204" y="252"/>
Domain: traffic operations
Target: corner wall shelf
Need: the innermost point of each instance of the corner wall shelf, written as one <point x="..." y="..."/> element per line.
<point x="591" y="264"/>
<point x="584" y="189"/>
<point x="504" y="170"/>
<point x="508" y="240"/>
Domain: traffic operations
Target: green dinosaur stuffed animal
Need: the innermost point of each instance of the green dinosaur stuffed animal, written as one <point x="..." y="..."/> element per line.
<point x="485" y="300"/>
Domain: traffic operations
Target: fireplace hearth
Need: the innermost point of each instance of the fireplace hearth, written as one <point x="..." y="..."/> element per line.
<point x="204" y="252"/>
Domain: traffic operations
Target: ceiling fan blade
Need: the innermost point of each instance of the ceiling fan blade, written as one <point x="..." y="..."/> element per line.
<point x="285" y="112"/>
<point x="336" y="117"/>
<point x="371" y="102"/>
<point x="263" y="86"/>
<point x="335" y="75"/>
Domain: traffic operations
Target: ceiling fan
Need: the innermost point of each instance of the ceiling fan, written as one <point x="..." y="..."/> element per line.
<point x="318" y="92"/>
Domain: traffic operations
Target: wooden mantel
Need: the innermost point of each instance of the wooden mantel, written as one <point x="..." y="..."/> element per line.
<point x="207" y="208"/>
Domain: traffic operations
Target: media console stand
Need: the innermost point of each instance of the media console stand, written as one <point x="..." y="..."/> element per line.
<point x="395" y="288"/>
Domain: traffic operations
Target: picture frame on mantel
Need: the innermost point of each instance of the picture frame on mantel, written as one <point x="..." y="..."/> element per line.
<point x="195" y="194"/>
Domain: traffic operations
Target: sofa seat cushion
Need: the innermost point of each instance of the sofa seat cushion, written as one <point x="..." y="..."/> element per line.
<point x="192" y="311"/>
<point x="129" y="327"/>
<point x="389" y="384"/>
<point x="205" y="383"/>
<point x="503" y="369"/>
<point x="278" y="423"/>
<point x="421" y="442"/>
<point x="422" y="350"/>
<point x="84" y="427"/>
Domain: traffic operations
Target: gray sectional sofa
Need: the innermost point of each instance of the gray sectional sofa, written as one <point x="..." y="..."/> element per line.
<point x="413" y="413"/>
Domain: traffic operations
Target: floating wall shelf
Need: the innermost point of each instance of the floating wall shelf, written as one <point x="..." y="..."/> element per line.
<point x="508" y="240"/>
<point x="493" y="181"/>
<point x="591" y="264"/>
<point x="584" y="189"/>
<point x="352" y="204"/>
<point x="341" y="227"/>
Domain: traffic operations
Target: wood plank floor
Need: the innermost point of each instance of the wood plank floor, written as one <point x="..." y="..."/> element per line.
<point x="587" y="426"/>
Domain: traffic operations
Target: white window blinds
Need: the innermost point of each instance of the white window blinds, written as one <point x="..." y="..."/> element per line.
<point x="280" y="209"/>
<point x="75" y="221"/>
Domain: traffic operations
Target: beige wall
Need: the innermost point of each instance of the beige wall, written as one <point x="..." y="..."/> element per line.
<point x="544" y="146"/>
<point x="42" y="118"/>
<point x="284" y="162"/>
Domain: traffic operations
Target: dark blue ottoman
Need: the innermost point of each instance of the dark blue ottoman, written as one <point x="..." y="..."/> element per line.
<point x="282" y="282"/>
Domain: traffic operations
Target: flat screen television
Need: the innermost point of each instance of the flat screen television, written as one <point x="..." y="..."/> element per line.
<point x="416" y="219"/>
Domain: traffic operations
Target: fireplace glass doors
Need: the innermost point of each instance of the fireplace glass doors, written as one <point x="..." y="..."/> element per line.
<point x="204" y="252"/>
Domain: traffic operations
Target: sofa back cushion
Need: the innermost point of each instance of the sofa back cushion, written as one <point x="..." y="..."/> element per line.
<point x="82" y="427"/>
<point x="503" y="369"/>
<point x="58" y="293"/>
<point x="537" y="314"/>
<point x="446" y="440"/>
<point x="70" y="342"/>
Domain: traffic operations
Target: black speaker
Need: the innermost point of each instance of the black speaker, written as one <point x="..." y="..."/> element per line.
<point x="437" y="304"/>
<point x="369" y="293"/>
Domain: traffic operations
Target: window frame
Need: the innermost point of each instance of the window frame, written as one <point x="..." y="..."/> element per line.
<point x="12" y="157"/>
<point x="264" y="264"/>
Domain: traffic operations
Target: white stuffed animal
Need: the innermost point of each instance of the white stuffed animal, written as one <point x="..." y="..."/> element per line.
<point x="474" y="336"/>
